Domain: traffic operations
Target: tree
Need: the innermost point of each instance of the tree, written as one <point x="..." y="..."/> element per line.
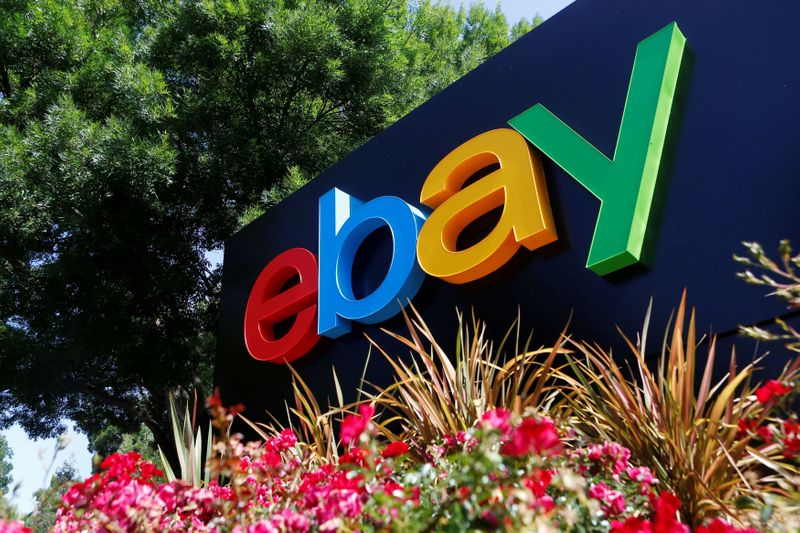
<point x="112" y="440"/>
<point x="135" y="135"/>
<point x="48" y="498"/>
<point x="6" y="479"/>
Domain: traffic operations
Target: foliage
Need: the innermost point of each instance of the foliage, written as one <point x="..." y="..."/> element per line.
<point x="134" y="137"/>
<point x="48" y="499"/>
<point x="689" y="437"/>
<point x="783" y="278"/>
<point x="112" y="440"/>
<point x="5" y="465"/>
<point x="435" y="396"/>
<point x="7" y="510"/>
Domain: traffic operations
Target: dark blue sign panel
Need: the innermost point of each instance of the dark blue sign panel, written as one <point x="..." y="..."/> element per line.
<point x="728" y="173"/>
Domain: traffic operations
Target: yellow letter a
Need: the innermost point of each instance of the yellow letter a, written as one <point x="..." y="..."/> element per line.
<point x="518" y="183"/>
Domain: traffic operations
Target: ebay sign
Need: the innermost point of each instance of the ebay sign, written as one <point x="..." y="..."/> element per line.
<point x="315" y="291"/>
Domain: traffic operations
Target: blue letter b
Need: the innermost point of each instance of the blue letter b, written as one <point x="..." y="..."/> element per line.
<point x="344" y="223"/>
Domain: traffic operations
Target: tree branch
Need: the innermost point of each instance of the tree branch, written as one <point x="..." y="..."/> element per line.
<point x="5" y="80"/>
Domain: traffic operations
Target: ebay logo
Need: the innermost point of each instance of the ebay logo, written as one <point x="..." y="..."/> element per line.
<point x="424" y="239"/>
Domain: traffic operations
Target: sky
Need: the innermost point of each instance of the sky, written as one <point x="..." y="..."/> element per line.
<point x="32" y="458"/>
<point x="517" y="9"/>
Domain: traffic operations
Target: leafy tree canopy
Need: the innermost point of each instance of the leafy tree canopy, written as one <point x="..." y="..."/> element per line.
<point x="136" y="135"/>
<point x="6" y="479"/>
<point x="48" y="498"/>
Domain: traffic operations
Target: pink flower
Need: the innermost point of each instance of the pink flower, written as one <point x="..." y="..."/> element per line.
<point x="642" y="474"/>
<point x="771" y="390"/>
<point x="354" y="425"/>
<point x="610" y="455"/>
<point x="261" y="527"/>
<point x="395" y="449"/>
<point x="288" y="520"/>
<point x="13" y="527"/>
<point x="287" y="439"/>
<point x="539" y="436"/>
<point x="496" y="419"/>
<point x="545" y="503"/>
<point x="613" y="500"/>
<point x="598" y="491"/>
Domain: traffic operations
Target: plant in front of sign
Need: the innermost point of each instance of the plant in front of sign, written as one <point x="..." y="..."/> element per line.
<point x="690" y="438"/>
<point x="781" y="428"/>
<point x="514" y="473"/>
<point x="783" y="278"/>
<point x="508" y="473"/>
<point x="308" y="421"/>
<point x="188" y="447"/>
<point x="435" y="396"/>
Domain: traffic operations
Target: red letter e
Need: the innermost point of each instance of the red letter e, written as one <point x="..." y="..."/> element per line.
<point x="268" y="305"/>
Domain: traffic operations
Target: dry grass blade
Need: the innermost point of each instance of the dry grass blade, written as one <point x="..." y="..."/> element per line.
<point x="311" y="424"/>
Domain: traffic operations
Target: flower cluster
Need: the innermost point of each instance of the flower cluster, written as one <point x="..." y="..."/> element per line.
<point x="508" y="473"/>
<point x="772" y="391"/>
<point x="14" y="526"/>
<point x="777" y="424"/>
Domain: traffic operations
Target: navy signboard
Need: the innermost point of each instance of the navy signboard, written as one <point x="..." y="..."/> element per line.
<point x="679" y="118"/>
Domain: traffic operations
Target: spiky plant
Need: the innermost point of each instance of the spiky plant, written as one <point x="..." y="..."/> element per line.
<point x="436" y="394"/>
<point x="193" y="461"/>
<point x="687" y="434"/>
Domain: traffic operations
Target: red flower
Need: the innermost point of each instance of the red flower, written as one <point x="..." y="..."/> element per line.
<point x="538" y="481"/>
<point x="631" y="525"/>
<point x="791" y="446"/>
<point x="354" y="456"/>
<point x="354" y="425"/>
<point x="215" y="400"/>
<point x="539" y="436"/>
<point x="395" y="449"/>
<point x="773" y="389"/>
<point x="721" y="526"/>
<point x="745" y="426"/>
<point x="765" y="433"/>
<point x="666" y="507"/>
<point x="149" y="470"/>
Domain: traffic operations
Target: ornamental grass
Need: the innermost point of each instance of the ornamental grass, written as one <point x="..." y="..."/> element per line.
<point x="441" y="394"/>
<point x="691" y="436"/>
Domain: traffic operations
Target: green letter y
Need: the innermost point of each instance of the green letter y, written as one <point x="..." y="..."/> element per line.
<point x="625" y="186"/>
